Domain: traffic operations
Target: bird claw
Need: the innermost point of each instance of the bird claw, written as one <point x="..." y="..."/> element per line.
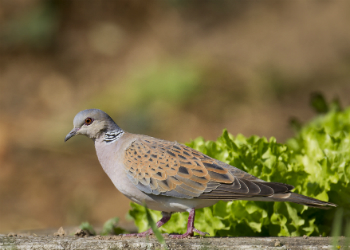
<point x="200" y="232"/>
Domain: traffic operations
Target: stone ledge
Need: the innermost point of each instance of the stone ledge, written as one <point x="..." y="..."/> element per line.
<point x="117" y="242"/>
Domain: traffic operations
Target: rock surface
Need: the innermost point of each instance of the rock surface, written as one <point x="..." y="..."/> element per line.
<point x="118" y="242"/>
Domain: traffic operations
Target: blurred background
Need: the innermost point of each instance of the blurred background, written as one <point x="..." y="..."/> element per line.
<point x="170" y="69"/>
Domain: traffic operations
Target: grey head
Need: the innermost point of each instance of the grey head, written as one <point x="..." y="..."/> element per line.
<point x="92" y="123"/>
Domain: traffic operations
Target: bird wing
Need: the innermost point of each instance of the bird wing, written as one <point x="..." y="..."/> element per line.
<point x="167" y="168"/>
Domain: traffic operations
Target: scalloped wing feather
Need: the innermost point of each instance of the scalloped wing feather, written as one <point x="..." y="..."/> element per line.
<point x="167" y="168"/>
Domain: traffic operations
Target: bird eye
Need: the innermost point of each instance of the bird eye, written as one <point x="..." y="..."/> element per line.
<point x="88" y="121"/>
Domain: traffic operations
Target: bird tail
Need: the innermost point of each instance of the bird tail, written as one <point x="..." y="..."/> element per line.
<point x="303" y="200"/>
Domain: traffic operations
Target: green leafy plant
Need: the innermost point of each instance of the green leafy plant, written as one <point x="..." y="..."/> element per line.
<point x="110" y="227"/>
<point x="87" y="227"/>
<point x="316" y="162"/>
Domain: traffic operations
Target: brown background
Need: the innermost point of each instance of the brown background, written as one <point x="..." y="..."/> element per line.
<point x="171" y="69"/>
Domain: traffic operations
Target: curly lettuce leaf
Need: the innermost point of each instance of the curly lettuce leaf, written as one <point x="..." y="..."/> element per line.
<point x="316" y="162"/>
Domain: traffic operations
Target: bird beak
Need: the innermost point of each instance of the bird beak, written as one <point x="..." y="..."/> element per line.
<point x="72" y="133"/>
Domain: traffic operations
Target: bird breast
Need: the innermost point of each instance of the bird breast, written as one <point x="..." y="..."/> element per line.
<point x="115" y="169"/>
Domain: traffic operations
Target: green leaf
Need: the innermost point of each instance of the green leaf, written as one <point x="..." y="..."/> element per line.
<point x="110" y="227"/>
<point x="154" y="228"/>
<point x="88" y="227"/>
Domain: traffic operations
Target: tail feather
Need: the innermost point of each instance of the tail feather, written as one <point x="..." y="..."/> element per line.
<point x="303" y="200"/>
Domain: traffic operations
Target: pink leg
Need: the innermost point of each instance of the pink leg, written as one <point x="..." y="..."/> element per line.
<point x="190" y="227"/>
<point x="166" y="217"/>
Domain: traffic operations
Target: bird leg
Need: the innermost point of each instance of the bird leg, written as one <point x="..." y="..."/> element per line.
<point x="190" y="228"/>
<point x="166" y="217"/>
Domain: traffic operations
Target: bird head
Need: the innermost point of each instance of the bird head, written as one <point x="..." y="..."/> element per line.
<point x="92" y="123"/>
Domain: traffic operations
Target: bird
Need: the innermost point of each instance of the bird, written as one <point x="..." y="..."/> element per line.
<point x="171" y="177"/>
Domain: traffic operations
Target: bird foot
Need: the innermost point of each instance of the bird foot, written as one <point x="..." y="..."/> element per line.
<point x="200" y="232"/>
<point x="161" y="222"/>
<point x="188" y="233"/>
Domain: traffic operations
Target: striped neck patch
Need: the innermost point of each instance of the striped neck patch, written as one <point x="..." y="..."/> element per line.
<point x="113" y="136"/>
